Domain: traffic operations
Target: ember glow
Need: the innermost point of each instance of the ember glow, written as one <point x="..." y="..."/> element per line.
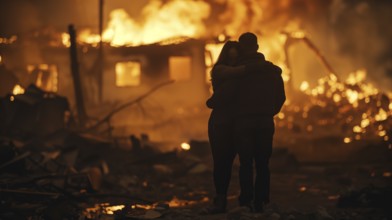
<point x="347" y="140"/>
<point x="333" y="197"/>
<point x="175" y="202"/>
<point x="111" y="209"/>
<point x="10" y="40"/>
<point x="302" y="189"/>
<point x="355" y="94"/>
<point x="185" y="146"/>
<point x="18" y="90"/>
<point x="146" y="207"/>
<point x="108" y="209"/>
<point x="104" y="208"/>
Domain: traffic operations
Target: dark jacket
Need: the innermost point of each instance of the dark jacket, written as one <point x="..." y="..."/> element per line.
<point x="260" y="93"/>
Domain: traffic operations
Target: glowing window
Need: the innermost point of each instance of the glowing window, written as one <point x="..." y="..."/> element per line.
<point x="180" y="68"/>
<point x="128" y="73"/>
<point x="44" y="76"/>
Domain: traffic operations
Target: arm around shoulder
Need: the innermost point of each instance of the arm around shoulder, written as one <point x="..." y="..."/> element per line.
<point x="224" y="72"/>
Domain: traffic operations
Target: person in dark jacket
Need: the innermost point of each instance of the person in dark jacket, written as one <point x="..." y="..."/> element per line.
<point x="258" y="98"/>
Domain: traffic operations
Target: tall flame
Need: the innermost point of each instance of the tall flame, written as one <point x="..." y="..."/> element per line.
<point x="176" y="18"/>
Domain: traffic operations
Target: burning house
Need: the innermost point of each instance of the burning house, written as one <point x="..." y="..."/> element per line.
<point x="171" y="42"/>
<point x="118" y="69"/>
<point x="128" y="72"/>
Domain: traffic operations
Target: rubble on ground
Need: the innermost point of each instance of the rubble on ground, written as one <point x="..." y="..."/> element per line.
<point x="336" y="111"/>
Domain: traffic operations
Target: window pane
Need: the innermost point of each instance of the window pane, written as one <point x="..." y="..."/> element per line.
<point x="44" y="76"/>
<point x="180" y="68"/>
<point x="128" y="73"/>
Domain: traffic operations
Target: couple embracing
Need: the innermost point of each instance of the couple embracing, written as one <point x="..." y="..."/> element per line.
<point x="248" y="93"/>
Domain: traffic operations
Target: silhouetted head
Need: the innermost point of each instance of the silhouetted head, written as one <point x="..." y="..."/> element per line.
<point x="248" y="43"/>
<point x="229" y="53"/>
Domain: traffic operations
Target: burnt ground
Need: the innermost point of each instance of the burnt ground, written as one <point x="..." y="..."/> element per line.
<point x="301" y="191"/>
<point x="178" y="184"/>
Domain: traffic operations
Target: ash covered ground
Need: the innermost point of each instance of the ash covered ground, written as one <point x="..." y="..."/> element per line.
<point x="107" y="182"/>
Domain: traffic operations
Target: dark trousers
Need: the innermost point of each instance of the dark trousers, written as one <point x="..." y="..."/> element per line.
<point x="223" y="152"/>
<point x="254" y="136"/>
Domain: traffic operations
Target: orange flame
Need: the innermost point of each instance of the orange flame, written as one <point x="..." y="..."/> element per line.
<point x="175" y="202"/>
<point x="185" y="146"/>
<point x="18" y="90"/>
<point x="176" y="18"/>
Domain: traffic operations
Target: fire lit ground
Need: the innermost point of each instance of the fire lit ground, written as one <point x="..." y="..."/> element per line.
<point x="107" y="133"/>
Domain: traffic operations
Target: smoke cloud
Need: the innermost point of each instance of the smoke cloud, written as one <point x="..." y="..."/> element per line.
<point x="363" y="35"/>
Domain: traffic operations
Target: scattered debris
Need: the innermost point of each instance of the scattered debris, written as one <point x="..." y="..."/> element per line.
<point x="369" y="196"/>
<point x="34" y="113"/>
